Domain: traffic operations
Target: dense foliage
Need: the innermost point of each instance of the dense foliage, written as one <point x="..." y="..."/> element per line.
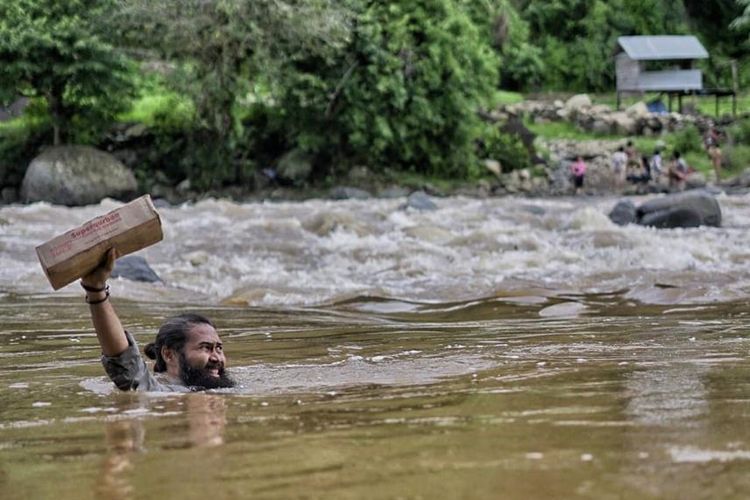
<point x="220" y="53"/>
<point x="509" y="35"/>
<point x="578" y="36"/>
<point x="403" y="93"/>
<point x="56" y="51"/>
<point x="390" y="85"/>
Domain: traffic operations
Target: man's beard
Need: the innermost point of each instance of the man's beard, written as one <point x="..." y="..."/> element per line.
<point x="200" y="378"/>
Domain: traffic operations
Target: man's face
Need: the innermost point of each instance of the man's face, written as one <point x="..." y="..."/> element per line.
<point x="202" y="359"/>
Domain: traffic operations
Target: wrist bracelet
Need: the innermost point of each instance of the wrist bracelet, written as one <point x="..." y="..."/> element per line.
<point x="92" y="289"/>
<point x="94" y="302"/>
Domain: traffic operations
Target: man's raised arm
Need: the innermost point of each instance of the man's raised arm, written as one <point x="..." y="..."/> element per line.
<point x="108" y="328"/>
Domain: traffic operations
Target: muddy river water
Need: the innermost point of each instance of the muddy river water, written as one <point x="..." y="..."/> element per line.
<point x="501" y="348"/>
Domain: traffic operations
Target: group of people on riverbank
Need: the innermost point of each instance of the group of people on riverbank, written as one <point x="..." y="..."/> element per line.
<point x="629" y="166"/>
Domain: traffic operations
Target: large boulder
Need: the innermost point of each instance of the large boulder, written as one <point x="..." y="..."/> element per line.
<point x="691" y="209"/>
<point x="578" y="102"/>
<point x="76" y="175"/>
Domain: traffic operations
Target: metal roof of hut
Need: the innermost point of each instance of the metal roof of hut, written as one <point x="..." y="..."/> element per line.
<point x="662" y="47"/>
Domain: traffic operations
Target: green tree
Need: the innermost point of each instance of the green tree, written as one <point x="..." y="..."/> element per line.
<point x="226" y="54"/>
<point x="742" y="20"/>
<point x="521" y="64"/>
<point x="578" y="37"/>
<point x="405" y="93"/>
<point x="56" y="51"/>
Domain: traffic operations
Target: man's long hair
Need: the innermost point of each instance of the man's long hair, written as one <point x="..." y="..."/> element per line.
<point x="173" y="334"/>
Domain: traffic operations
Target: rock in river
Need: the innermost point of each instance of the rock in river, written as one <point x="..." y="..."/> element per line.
<point x="690" y="209"/>
<point x="76" y="175"/>
<point x="624" y="213"/>
<point x="134" y="268"/>
<point x="419" y="200"/>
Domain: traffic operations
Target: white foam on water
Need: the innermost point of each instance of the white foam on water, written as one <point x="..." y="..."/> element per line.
<point x="318" y="252"/>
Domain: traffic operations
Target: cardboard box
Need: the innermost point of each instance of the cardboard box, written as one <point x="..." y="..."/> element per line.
<point x="79" y="251"/>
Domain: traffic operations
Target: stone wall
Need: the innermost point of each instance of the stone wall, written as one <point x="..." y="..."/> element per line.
<point x="602" y="119"/>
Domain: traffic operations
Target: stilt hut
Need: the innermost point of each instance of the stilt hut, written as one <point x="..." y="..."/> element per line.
<point x="674" y="57"/>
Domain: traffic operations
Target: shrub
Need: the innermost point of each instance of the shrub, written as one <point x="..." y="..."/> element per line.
<point x="739" y="132"/>
<point x="737" y="157"/>
<point x="686" y="140"/>
<point x="508" y="149"/>
<point x="404" y="93"/>
<point x="219" y="52"/>
<point x="500" y="24"/>
<point x="18" y="146"/>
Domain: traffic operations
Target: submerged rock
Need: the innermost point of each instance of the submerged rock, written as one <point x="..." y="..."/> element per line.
<point x="690" y="209"/>
<point x="419" y="200"/>
<point x="76" y="175"/>
<point x="624" y="213"/>
<point x="135" y="268"/>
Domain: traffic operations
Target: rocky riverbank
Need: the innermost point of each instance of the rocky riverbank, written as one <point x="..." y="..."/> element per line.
<point x="73" y="175"/>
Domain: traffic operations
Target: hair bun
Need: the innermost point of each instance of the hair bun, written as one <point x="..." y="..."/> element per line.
<point x="150" y="350"/>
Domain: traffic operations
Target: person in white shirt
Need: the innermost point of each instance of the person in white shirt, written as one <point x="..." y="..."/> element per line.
<point x="656" y="165"/>
<point x="619" y="161"/>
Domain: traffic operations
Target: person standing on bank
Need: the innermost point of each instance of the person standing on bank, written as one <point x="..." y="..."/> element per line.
<point x="678" y="172"/>
<point x="619" y="162"/>
<point x="713" y="149"/>
<point x="578" y="170"/>
<point x="188" y="352"/>
<point x="656" y="164"/>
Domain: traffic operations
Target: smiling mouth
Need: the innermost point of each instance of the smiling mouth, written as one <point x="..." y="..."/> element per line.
<point x="214" y="372"/>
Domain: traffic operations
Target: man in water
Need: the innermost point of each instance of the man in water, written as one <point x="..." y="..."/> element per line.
<point x="188" y="352"/>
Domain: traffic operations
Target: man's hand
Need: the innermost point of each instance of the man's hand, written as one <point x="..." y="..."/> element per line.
<point x="99" y="276"/>
<point x="108" y="328"/>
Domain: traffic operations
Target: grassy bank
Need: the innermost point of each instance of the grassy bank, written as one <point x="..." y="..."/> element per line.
<point x="705" y="105"/>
